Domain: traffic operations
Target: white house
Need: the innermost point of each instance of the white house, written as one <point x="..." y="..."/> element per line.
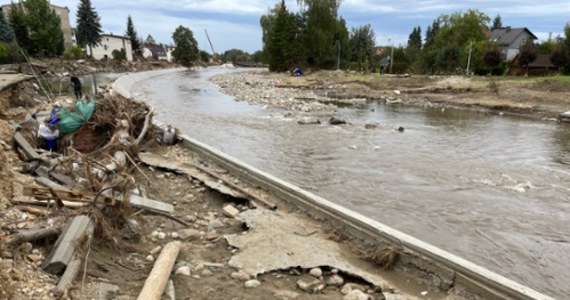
<point x="511" y="39"/>
<point x="158" y="52"/>
<point x="110" y="42"/>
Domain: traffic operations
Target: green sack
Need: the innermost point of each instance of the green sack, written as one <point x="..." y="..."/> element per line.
<point x="70" y="121"/>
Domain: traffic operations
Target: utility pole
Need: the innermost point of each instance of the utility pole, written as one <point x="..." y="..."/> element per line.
<point x="338" y="55"/>
<point x="391" y="54"/>
<point x="470" y="49"/>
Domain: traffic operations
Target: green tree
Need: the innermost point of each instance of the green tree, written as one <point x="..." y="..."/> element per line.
<point x="452" y="39"/>
<point x="267" y="23"/>
<point x="235" y="55"/>
<point x="343" y="37"/>
<point x="257" y="56"/>
<point x="362" y="44"/>
<point x="546" y="47"/>
<point x="205" y="56"/>
<point x="321" y="28"/>
<point x="88" y="30"/>
<point x="431" y="32"/>
<point x="283" y="46"/>
<point x="492" y="57"/>
<point x="561" y="58"/>
<point x="6" y="32"/>
<point x="415" y="38"/>
<point x="497" y="23"/>
<point x="186" y="48"/>
<point x="18" y="23"/>
<point x="527" y="54"/>
<point x="37" y="28"/>
<point x="150" y="41"/>
<point x="136" y="42"/>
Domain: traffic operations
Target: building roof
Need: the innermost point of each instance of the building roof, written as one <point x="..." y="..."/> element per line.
<point x="115" y="36"/>
<point x="507" y="35"/>
<point x="541" y="61"/>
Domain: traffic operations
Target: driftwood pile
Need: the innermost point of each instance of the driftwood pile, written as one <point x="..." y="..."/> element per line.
<point x="88" y="190"/>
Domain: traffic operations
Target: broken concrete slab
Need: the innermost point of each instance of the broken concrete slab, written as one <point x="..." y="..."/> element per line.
<point x="107" y="291"/>
<point x="211" y="182"/>
<point x="30" y="152"/>
<point x="150" y="204"/>
<point x="62" y="253"/>
<point x="274" y="243"/>
<point x="230" y="211"/>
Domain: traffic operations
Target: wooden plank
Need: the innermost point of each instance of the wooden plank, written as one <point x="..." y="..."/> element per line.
<point x="208" y="180"/>
<point x="50" y="184"/>
<point x="157" y="280"/>
<point x="33" y="235"/>
<point x="33" y="201"/>
<point x="30" y="152"/>
<point x="150" y="204"/>
<point x="64" y="248"/>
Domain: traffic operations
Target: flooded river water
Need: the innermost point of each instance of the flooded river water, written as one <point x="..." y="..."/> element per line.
<point x="492" y="189"/>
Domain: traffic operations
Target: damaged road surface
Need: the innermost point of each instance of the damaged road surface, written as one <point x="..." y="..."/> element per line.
<point x="283" y="241"/>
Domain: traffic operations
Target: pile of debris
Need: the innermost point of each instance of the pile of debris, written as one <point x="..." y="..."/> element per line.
<point x="84" y="189"/>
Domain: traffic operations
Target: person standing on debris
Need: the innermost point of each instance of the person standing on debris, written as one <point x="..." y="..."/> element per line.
<point x="76" y="87"/>
<point x="49" y="132"/>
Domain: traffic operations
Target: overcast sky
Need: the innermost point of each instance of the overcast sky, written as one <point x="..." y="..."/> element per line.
<point x="235" y="23"/>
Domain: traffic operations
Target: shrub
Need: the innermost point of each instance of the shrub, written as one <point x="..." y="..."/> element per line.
<point x="119" y="55"/>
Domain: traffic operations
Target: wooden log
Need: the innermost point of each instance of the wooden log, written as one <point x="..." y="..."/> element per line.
<point x="31" y="200"/>
<point x="156" y="282"/>
<point x="64" y="248"/>
<point x="39" y="211"/>
<point x="30" y="152"/>
<point x="33" y="235"/>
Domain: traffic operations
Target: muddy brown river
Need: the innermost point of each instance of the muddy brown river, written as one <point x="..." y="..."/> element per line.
<point x="493" y="189"/>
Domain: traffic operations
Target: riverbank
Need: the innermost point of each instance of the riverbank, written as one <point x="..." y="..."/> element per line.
<point x="224" y="251"/>
<point x="221" y="235"/>
<point x="313" y="94"/>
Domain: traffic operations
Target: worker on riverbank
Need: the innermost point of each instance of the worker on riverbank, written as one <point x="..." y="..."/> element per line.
<point x="76" y="86"/>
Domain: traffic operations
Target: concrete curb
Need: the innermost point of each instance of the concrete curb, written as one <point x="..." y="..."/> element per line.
<point x="124" y="84"/>
<point x="476" y="279"/>
<point x="487" y="284"/>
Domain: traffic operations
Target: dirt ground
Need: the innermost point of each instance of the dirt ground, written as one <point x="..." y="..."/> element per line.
<point x="539" y="96"/>
<point x="126" y="260"/>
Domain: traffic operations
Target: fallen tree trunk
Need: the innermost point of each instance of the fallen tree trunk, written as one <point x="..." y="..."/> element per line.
<point x="33" y="235"/>
<point x="157" y="280"/>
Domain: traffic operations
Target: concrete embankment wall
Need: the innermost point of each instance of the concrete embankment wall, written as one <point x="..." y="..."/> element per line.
<point x="417" y="257"/>
<point x="124" y="84"/>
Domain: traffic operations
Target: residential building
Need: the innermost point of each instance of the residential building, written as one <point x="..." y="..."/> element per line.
<point x="542" y="65"/>
<point x="158" y="52"/>
<point x="511" y="39"/>
<point x="62" y="12"/>
<point x="111" y="42"/>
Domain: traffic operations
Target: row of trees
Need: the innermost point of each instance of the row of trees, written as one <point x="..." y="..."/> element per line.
<point x="32" y="25"/>
<point x="317" y="37"/>
<point x="34" y="28"/>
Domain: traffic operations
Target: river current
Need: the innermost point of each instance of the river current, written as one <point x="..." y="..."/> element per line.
<point x="492" y="189"/>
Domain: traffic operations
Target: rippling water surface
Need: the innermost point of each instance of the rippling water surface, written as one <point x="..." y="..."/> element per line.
<point x="492" y="189"/>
